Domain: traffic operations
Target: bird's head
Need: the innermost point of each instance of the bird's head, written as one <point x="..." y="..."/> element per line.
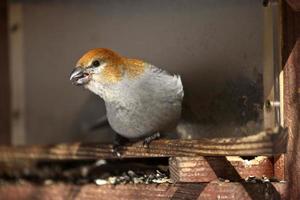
<point x="99" y="69"/>
<point x="99" y="65"/>
<point x="104" y="66"/>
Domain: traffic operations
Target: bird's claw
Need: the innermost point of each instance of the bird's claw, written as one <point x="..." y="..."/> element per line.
<point x="149" y="139"/>
<point x="146" y="143"/>
<point x="117" y="144"/>
<point x="115" y="150"/>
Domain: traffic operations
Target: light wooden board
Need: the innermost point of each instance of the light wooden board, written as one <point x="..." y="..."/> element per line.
<point x="270" y="142"/>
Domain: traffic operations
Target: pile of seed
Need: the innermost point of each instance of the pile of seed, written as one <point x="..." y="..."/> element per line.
<point x="132" y="177"/>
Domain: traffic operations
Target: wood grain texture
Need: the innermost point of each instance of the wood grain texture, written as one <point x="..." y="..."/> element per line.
<point x="291" y="63"/>
<point x="4" y="76"/>
<point x="264" y="143"/>
<point x="207" y="191"/>
<point x="206" y="169"/>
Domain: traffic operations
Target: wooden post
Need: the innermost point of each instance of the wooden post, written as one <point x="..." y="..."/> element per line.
<point x="17" y="68"/>
<point x="291" y="63"/>
<point x="271" y="65"/>
<point x="4" y="76"/>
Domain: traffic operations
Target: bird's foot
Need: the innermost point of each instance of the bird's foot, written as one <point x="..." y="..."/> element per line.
<point x="116" y="150"/>
<point x="149" y="139"/>
<point x="117" y="145"/>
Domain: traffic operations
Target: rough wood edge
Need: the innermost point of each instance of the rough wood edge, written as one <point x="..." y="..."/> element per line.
<point x="263" y="143"/>
<point x="213" y="190"/>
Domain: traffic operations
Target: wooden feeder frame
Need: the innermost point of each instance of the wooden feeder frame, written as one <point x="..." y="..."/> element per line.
<point x="195" y="165"/>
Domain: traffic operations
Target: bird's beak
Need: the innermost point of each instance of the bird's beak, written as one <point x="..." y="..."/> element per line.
<point x="79" y="77"/>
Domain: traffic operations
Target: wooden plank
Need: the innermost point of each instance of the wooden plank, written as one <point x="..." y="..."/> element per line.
<point x="206" y="169"/>
<point x="207" y="191"/>
<point x="263" y="143"/>
<point x="291" y="63"/>
<point x="4" y="76"/>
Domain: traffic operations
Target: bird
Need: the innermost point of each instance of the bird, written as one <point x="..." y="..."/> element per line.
<point x="142" y="100"/>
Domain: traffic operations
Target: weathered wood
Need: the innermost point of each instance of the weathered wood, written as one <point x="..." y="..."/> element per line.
<point x="207" y="191"/>
<point x="264" y="143"/>
<point x="291" y="63"/>
<point x="4" y="76"/>
<point x="206" y="169"/>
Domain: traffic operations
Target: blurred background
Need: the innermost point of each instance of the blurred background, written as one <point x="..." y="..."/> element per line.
<point x="216" y="46"/>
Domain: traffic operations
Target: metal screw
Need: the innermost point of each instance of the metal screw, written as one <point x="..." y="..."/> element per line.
<point x="269" y="104"/>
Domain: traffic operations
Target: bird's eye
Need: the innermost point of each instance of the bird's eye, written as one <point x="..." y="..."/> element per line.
<point x="96" y="63"/>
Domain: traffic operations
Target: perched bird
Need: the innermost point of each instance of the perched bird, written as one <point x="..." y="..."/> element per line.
<point x="141" y="100"/>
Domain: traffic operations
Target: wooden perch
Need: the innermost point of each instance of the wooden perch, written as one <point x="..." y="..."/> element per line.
<point x="206" y="169"/>
<point x="214" y="190"/>
<point x="263" y="143"/>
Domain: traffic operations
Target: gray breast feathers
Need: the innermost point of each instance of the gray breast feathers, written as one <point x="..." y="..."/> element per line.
<point x="146" y="105"/>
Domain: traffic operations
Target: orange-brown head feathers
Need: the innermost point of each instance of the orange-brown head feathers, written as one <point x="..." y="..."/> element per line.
<point x="106" y="55"/>
<point x="111" y="66"/>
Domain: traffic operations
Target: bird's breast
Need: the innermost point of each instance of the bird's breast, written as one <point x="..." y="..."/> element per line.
<point x="142" y="118"/>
